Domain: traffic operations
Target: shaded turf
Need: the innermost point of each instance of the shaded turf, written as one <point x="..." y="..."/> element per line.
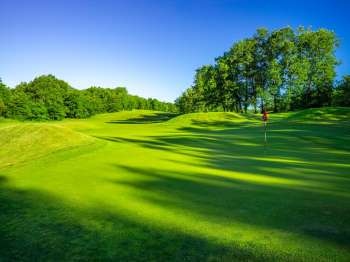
<point x="199" y="187"/>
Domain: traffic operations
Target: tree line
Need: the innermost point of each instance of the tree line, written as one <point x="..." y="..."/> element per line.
<point x="49" y="98"/>
<point x="278" y="70"/>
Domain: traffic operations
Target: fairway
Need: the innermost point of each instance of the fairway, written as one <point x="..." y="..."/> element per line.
<point x="152" y="186"/>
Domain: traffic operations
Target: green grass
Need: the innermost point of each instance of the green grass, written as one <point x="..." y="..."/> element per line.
<point x="24" y="142"/>
<point x="149" y="186"/>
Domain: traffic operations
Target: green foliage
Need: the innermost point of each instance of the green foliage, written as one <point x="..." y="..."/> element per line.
<point x="49" y="98"/>
<point x="4" y="98"/>
<point x="2" y="107"/>
<point x="279" y="70"/>
<point x="77" y="105"/>
<point x="38" y="111"/>
<point x="341" y="96"/>
<point x="19" y="105"/>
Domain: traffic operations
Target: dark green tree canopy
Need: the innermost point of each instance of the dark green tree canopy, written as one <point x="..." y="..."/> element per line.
<point x="277" y="70"/>
<point x="49" y="98"/>
<point x="342" y="92"/>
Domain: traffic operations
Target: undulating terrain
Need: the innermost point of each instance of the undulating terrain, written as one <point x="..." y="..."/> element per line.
<point x="151" y="186"/>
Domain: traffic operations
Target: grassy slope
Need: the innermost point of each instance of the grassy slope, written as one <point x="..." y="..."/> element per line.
<point x="24" y="142"/>
<point x="196" y="187"/>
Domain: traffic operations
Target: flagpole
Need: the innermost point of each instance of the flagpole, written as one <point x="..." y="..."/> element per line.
<point x="265" y="118"/>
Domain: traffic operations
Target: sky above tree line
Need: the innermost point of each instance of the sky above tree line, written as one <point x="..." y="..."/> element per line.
<point x="150" y="47"/>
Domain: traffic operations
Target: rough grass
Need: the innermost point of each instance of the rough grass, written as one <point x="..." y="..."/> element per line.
<point x="197" y="187"/>
<point x="210" y="117"/>
<point x="24" y="142"/>
<point x="318" y="115"/>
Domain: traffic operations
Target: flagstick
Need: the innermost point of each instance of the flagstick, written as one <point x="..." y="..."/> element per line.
<point x="265" y="144"/>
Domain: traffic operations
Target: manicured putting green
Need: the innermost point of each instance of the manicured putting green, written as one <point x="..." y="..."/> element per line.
<point x="150" y="186"/>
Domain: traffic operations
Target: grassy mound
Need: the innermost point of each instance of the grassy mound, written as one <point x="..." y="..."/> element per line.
<point x="325" y="114"/>
<point x="25" y="142"/>
<point x="102" y="121"/>
<point x="211" y="118"/>
<point x="320" y="115"/>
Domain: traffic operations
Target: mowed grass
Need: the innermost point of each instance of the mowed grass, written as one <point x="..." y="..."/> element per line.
<point x="150" y="186"/>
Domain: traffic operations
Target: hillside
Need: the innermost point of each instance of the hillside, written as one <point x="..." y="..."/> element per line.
<point x="28" y="141"/>
<point x="322" y="115"/>
<point x="211" y="118"/>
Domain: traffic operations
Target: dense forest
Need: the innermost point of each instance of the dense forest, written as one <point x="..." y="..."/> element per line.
<point x="278" y="70"/>
<point x="48" y="98"/>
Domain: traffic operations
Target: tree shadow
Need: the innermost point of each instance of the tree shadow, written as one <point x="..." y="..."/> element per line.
<point x="240" y="150"/>
<point x="221" y="200"/>
<point x="300" y="183"/>
<point x="158" y="117"/>
<point x="326" y="115"/>
<point x="220" y="124"/>
<point x="36" y="226"/>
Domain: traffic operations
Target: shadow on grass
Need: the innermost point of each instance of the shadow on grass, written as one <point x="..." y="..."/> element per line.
<point x="35" y="226"/>
<point x="299" y="184"/>
<point x="309" y="197"/>
<point x="300" y="210"/>
<point x="146" y="119"/>
<point x="327" y="114"/>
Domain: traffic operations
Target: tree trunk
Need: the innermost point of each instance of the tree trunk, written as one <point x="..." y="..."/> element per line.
<point x="275" y="103"/>
<point x="255" y="108"/>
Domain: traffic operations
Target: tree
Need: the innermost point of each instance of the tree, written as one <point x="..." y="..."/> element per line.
<point x="4" y="98"/>
<point x="76" y="104"/>
<point x="49" y="98"/>
<point x="341" y="95"/>
<point x="2" y="108"/>
<point x="275" y="81"/>
<point x="185" y="102"/>
<point x="317" y="49"/>
<point x="46" y="92"/>
<point x="19" y="106"/>
<point x="280" y="54"/>
<point x="260" y="68"/>
<point x="242" y="56"/>
<point x="204" y="88"/>
<point x="280" y="70"/>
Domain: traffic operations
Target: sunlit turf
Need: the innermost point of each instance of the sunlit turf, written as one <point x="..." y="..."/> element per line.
<point x="150" y="186"/>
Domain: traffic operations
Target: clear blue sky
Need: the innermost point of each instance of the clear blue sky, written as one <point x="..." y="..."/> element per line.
<point x="151" y="47"/>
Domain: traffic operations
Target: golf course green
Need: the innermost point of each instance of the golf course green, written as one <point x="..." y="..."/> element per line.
<point x="153" y="186"/>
